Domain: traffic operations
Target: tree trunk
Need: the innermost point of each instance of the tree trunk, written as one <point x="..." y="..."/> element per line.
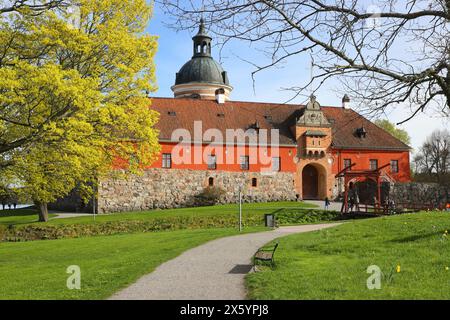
<point x="42" y="211"/>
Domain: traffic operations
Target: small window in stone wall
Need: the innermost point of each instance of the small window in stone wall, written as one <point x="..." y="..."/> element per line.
<point x="254" y="182"/>
<point x="211" y="182"/>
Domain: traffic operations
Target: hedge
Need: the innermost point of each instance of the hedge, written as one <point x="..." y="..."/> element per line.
<point x="43" y="231"/>
<point x="49" y="231"/>
<point x="295" y="216"/>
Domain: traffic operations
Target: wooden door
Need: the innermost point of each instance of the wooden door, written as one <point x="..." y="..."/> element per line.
<point x="310" y="182"/>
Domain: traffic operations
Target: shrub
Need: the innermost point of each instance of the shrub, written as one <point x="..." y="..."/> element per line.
<point x="296" y="216"/>
<point x="2" y="232"/>
<point x="209" y="196"/>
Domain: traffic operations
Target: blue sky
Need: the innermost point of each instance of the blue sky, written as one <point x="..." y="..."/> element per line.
<point x="175" y="48"/>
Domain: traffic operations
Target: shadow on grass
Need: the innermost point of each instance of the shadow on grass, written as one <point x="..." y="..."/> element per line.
<point x="18" y="212"/>
<point x="356" y="216"/>
<point x="418" y="237"/>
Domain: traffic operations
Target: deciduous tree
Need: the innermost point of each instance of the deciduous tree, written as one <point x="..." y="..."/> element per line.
<point x="73" y="93"/>
<point x="390" y="127"/>
<point x="433" y="158"/>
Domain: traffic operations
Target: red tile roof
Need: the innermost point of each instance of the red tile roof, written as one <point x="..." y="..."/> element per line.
<point x="242" y="115"/>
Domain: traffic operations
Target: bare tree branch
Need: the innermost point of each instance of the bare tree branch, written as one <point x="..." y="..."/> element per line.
<point x="395" y="53"/>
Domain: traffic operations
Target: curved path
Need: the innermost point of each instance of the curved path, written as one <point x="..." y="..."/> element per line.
<point x="203" y="273"/>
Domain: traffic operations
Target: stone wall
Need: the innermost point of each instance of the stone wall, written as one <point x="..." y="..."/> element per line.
<point x="161" y="188"/>
<point x="420" y="193"/>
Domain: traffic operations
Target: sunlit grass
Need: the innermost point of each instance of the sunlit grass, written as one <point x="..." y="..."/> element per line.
<point x="37" y="269"/>
<point x="19" y="216"/>
<point x="332" y="263"/>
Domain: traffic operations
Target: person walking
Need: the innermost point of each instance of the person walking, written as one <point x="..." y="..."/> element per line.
<point x="357" y="202"/>
<point x="327" y="203"/>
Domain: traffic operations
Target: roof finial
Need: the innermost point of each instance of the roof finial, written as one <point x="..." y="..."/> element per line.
<point x="201" y="29"/>
<point x="202" y="41"/>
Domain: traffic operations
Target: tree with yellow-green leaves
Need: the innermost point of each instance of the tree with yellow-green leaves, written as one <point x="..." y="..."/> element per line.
<point x="74" y="79"/>
<point x="398" y="133"/>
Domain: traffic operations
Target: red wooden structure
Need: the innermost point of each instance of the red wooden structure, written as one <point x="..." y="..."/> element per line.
<point x="361" y="175"/>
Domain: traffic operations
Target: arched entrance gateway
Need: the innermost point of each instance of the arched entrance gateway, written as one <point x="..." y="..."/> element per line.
<point x="314" y="182"/>
<point x="310" y="182"/>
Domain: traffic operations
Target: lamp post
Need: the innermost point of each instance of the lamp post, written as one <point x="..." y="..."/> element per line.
<point x="94" y="200"/>
<point x="240" y="208"/>
<point x="94" y="205"/>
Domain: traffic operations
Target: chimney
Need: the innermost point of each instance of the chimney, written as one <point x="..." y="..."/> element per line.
<point x="346" y="102"/>
<point x="220" y="95"/>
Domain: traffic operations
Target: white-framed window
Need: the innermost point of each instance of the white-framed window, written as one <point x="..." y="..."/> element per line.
<point x="394" y="166"/>
<point x="276" y="164"/>
<point x="347" y="163"/>
<point x="245" y="163"/>
<point x="373" y="164"/>
<point x="212" y="162"/>
<point x="167" y="160"/>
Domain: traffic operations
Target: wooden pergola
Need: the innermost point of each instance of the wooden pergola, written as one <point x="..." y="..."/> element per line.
<point x="360" y="175"/>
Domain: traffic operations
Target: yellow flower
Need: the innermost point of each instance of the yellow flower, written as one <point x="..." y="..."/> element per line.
<point x="446" y="268"/>
<point x="398" y="269"/>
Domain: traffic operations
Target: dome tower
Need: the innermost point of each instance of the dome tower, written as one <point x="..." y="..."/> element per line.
<point x="202" y="77"/>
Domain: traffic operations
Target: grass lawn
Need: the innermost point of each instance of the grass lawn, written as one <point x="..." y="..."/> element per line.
<point x="37" y="269"/>
<point x="19" y="216"/>
<point x="332" y="264"/>
<point x="231" y="209"/>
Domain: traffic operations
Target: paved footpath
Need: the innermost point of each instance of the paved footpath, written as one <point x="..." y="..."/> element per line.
<point x="334" y="206"/>
<point x="203" y="273"/>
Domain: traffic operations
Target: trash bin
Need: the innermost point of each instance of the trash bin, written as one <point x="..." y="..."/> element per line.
<point x="269" y="220"/>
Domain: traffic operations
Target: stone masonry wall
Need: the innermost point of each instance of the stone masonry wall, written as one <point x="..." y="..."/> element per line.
<point x="421" y="193"/>
<point x="161" y="188"/>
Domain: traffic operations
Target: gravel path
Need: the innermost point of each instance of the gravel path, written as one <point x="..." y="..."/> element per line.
<point x="203" y="273"/>
<point x="334" y="206"/>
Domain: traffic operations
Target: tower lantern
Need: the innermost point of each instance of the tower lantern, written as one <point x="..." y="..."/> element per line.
<point x="202" y="77"/>
<point x="202" y="42"/>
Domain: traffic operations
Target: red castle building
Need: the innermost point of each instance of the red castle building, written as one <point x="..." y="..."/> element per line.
<point x="306" y="146"/>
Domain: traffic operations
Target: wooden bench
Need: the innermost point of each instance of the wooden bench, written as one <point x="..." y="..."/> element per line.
<point x="265" y="254"/>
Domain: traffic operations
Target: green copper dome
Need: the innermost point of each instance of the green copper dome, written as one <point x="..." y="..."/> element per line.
<point x="202" y="67"/>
